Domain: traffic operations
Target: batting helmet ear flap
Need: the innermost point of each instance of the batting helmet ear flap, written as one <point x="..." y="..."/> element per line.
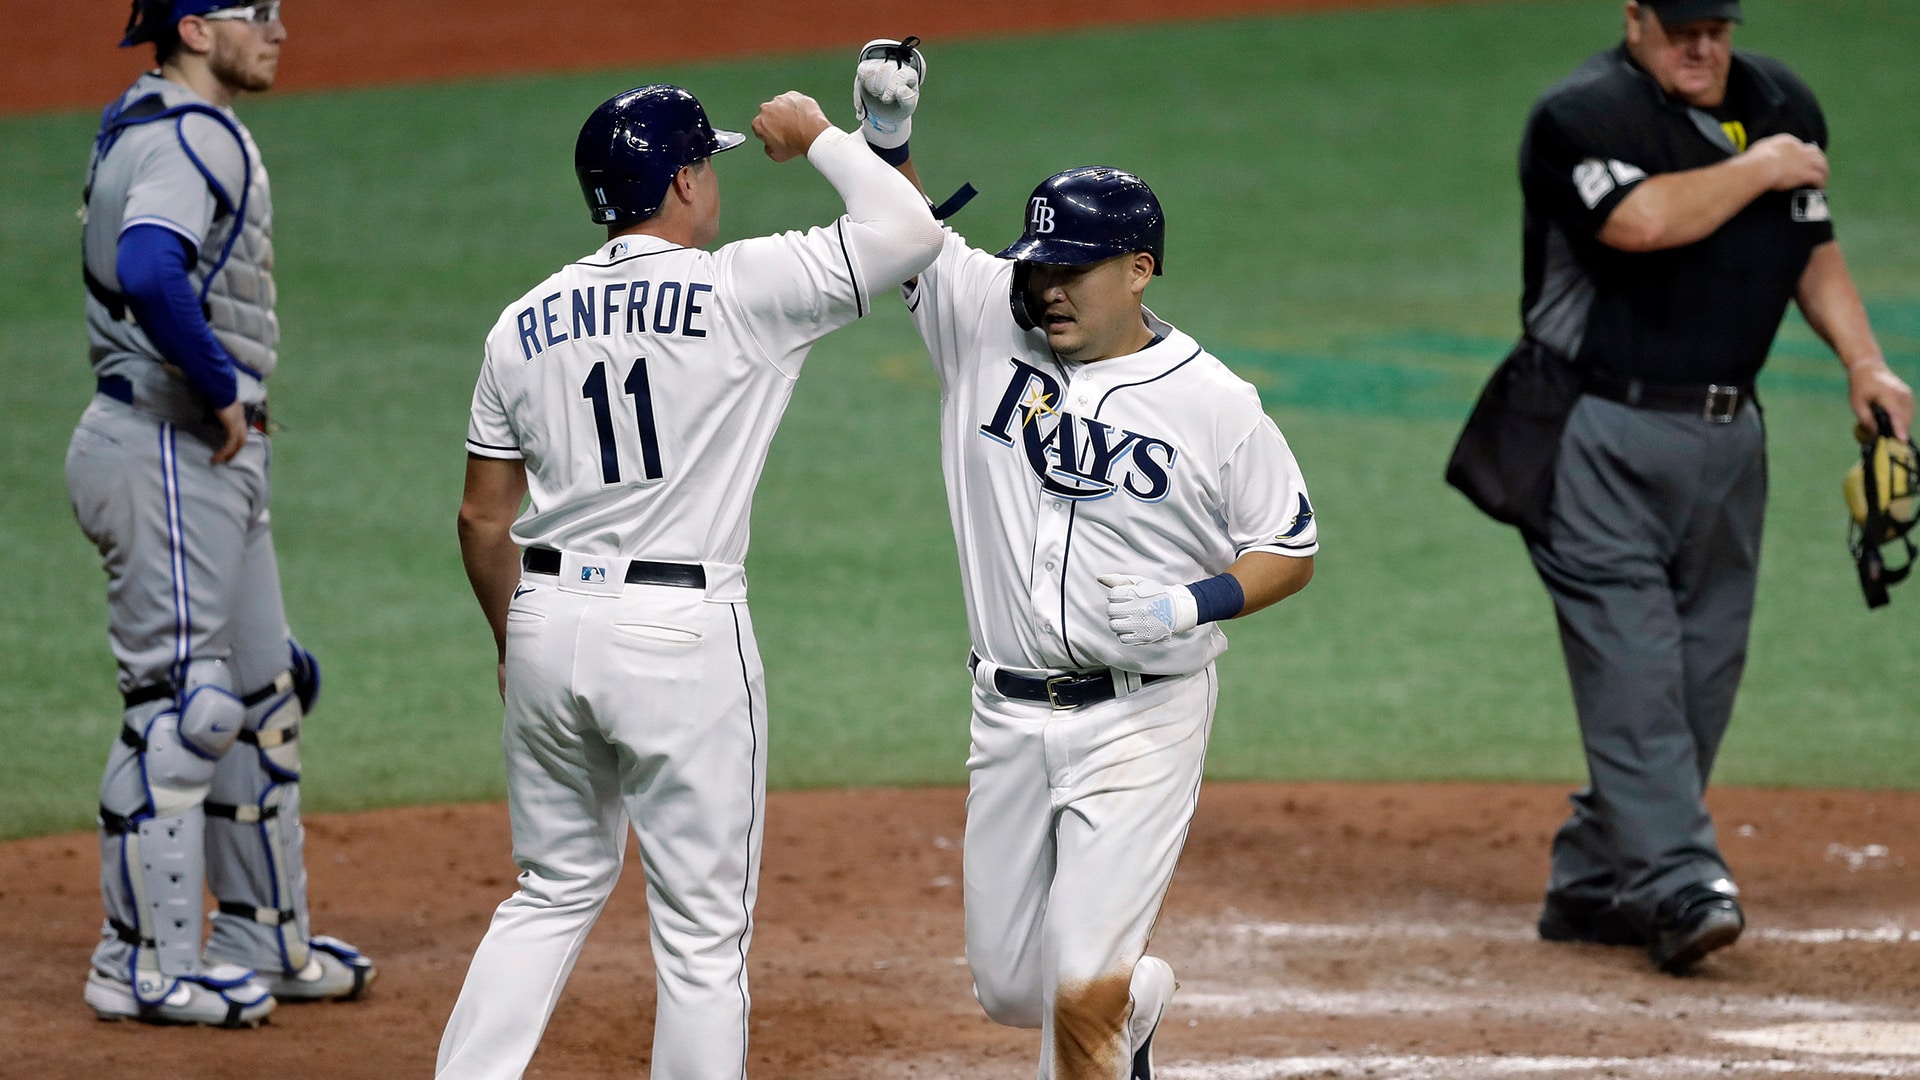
<point x="1017" y="296"/>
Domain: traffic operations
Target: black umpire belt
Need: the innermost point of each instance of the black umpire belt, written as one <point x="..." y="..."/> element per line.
<point x="538" y="560"/>
<point x="1714" y="402"/>
<point x="1067" y="690"/>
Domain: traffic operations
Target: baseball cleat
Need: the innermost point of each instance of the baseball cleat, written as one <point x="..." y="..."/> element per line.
<point x="335" y="971"/>
<point x="224" y="995"/>
<point x="1692" y="923"/>
<point x="1154" y="979"/>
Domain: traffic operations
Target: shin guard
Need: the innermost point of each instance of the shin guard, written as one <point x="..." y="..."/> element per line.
<point x="256" y="865"/>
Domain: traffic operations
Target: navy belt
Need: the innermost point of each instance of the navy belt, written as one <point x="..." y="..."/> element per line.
<point x="539" y="560"/>
<point x="120" y="389"/>
<point x="1066" y="690"/>
<point x="1714" y="402"/>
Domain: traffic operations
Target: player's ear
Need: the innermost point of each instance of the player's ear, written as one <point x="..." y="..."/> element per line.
<point x="1140" y="271"/>
<point x="196" y="35"/>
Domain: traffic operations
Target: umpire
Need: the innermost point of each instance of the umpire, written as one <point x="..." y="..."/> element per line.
<point x="1675" y="201"/>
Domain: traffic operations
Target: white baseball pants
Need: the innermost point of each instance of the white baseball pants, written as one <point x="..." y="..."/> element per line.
<point x="1075" y="819"/>
<point x="645" y="706"/>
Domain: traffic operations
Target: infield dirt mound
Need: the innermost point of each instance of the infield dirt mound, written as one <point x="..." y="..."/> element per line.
<point x="1319" y="930"/>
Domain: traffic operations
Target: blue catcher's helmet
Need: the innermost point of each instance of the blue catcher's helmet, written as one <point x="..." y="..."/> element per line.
<point x="150" y="18"/>
<point x="1082" y="216"/>
<point x="632" y="146"/>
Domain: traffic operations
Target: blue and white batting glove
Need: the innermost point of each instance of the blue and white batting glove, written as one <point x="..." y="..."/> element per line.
<point x="1143" y="612"/>
<point x="886" y="91"/>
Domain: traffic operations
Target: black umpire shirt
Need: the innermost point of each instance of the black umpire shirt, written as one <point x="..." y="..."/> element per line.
<point x="1704" y="313"/>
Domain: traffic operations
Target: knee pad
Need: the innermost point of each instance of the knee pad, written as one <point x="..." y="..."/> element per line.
<point x="180" y="746"/>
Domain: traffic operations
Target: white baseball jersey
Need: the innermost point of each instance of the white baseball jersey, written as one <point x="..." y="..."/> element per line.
<point x="643" y="385"/>
<point x="1160" y="464"/>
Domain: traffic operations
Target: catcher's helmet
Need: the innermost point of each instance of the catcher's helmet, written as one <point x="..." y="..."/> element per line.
<point x="1082" y="216"/>
<point x="150" y="18"/>
<point x="1883" y="493"/>
<point x="632" y="146"/>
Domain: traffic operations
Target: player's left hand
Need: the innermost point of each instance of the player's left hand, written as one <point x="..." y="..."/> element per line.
<point x="1143" y="612"/>
<point x="886" y="90"/>
<point x="788" y="125"/>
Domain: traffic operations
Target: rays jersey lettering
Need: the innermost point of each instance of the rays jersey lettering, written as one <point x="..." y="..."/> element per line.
<point x="1076" y="457"/>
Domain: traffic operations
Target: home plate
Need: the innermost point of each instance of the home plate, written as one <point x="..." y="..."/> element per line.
<point x="1834" y="1037"/>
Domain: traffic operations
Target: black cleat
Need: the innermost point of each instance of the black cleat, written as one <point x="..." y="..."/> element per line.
<point x="1587" y="920"/>
<point x="1692" y="923"/>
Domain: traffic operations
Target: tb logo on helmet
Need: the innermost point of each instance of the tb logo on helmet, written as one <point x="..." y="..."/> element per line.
<point x="1039" y="215"/>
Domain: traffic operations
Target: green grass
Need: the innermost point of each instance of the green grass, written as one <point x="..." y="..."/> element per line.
<point x="1344" y="230"/>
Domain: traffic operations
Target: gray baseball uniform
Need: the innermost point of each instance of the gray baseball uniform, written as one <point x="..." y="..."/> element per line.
<point x="195" y="616"/>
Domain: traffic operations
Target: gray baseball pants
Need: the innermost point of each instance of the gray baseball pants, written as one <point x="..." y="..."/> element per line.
<point x="1650" y="559"/>
<point x="191" y="577"/>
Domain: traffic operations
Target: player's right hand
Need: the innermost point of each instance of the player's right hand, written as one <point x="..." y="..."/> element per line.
<point x="233" y="420"/>
<point x="1791" y="162"/>
<point x="788" y="125"/>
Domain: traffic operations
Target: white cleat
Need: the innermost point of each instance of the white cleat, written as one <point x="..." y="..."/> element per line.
<point x="1153" y="986"/>
<point x="335" y="971"/>
<point x="223" y="995"/>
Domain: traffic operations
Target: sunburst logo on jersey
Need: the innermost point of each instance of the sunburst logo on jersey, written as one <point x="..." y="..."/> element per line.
<point x="1038" y="403"/>
<point x="1737" y="132"/>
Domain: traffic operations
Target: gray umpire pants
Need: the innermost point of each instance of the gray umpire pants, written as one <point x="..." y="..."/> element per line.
<point x="1651" y="556"/>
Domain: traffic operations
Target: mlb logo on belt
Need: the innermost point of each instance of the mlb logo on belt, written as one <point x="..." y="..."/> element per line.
<point x="593" y="575"/>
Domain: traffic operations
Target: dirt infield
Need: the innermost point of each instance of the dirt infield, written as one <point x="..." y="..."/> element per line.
<point x="1319" y="930"/>
<point x="73" y="62"/>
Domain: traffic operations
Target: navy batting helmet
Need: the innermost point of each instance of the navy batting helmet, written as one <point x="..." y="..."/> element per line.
<point x="632" y="146"/>
<point x="1082" y="216"/>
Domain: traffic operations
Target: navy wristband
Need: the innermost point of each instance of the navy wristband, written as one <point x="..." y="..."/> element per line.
<point x="895" y="156"/>
<point x="1218" y="597"/>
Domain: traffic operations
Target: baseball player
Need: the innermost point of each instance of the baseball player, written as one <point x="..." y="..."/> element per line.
<point x="167" y="471"/>
<point x="631" y="398"/>
<point x="1115" y="492"/>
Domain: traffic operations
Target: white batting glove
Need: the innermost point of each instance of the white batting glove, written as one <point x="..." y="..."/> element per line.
<point x="1143" y="612"/>
<point x="885" y="93"/>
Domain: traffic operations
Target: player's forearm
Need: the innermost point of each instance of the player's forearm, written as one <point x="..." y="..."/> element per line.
<point x="491" y="501"/>
<point x="1266" y="579"/>
<point x="1832" y="305"/>
<point x="1676" y="209"/>
<point x="152" y="264"/>
<point x="492" y="560"/>
<point x="889" y="227"/>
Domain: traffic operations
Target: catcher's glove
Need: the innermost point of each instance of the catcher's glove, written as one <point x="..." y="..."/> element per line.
<point x="1883" y="492"/>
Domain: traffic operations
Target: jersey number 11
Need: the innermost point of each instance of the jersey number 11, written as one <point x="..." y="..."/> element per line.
<point x="637" y="387"/>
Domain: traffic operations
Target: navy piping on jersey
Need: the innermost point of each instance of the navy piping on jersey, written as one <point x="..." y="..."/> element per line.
<point x="1073" y="515"/>
<point x="859" y="300"/>
<point x="628" y="258"/>
<point x="490" y="446"/>
<point x="753" y="768"/>
<point x="1033" y="553"/>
